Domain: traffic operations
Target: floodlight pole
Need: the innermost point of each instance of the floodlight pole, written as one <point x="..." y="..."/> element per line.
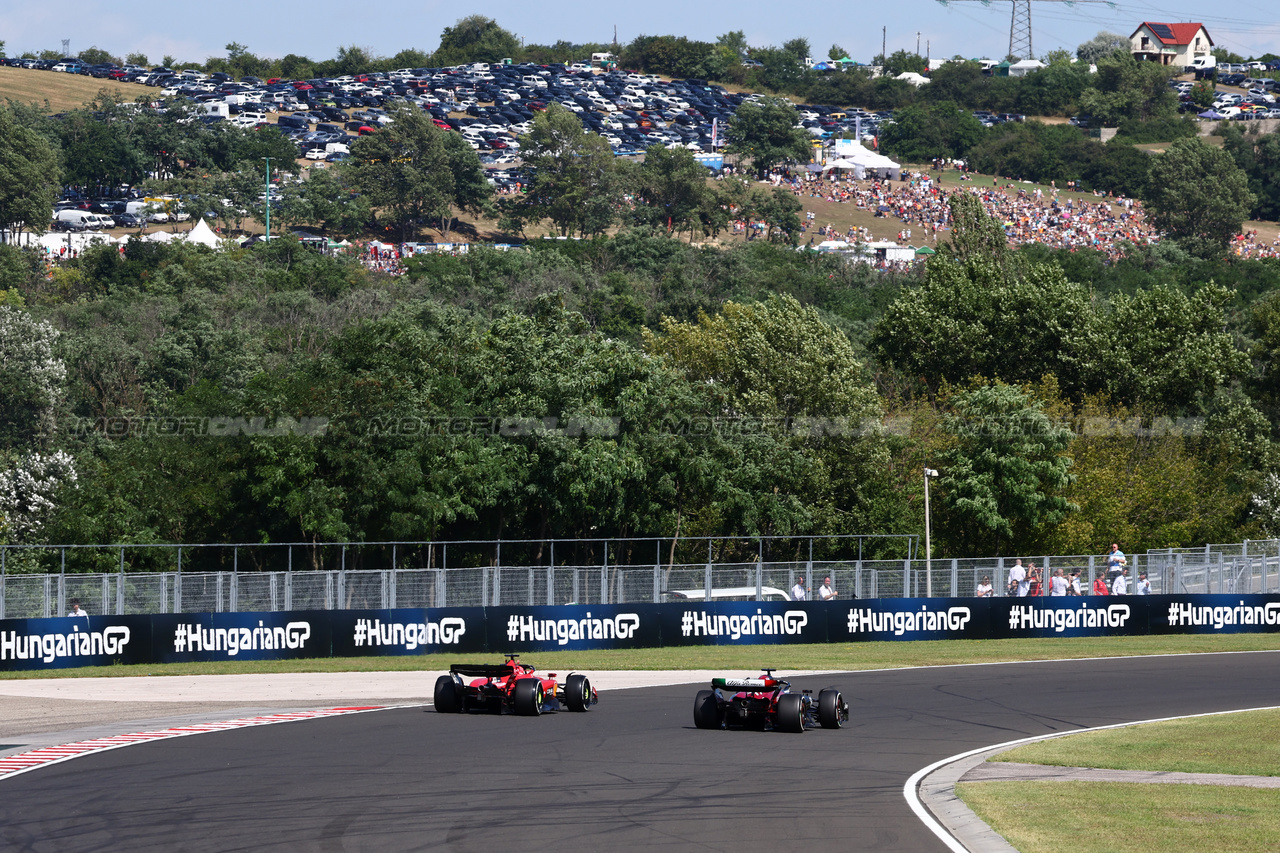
<point x="928" y="545"/>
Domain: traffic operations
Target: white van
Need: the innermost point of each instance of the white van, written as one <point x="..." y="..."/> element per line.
<point x="83" y="218"/>
<point x="534" y="80"/>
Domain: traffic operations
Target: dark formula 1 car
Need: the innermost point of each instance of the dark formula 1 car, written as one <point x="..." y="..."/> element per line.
<point x="767" y="702"/>
<point x="510" y="687"/>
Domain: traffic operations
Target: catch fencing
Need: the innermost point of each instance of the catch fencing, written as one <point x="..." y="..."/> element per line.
<point x="153" y="579"/>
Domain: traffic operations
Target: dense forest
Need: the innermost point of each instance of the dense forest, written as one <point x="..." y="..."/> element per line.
<point x="638" y="385"/>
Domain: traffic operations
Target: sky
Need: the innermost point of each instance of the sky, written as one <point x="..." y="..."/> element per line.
<point x="197" y="31"/>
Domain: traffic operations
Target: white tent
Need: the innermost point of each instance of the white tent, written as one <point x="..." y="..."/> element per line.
<point x="160" y="237"/>
<point x="841" y="163"/>
<point x="913" y="78"/>
<point x="854" y="156"/>
<point x="56" y="242"/>
<point x="203" y="235"/>
<point x="1025" y="67"/>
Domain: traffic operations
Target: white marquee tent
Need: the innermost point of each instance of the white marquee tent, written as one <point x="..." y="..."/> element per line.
<point x="853" y="156"/>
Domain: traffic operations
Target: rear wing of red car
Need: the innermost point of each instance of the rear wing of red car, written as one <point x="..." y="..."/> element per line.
<point x="483" y="670"/>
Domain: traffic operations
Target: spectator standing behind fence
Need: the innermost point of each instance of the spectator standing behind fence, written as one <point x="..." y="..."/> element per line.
<point x="984" y="588"/>
<point x="75" y="609"/>
<point x="1018" y="580"/>
<point x="1120" y="586"/>
<point x="1143" y="586"/>
<point x="1115" y="562"/>
<point x="798" y="591"/>
<point x="1035" y="585"/>
<point x="1058" y="583"/>
<point x="825" y="592"/>
<point x="1100" y="586"/>
<point x="1073" y="583"/>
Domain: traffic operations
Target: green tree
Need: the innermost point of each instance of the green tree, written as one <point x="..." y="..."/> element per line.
<point x="922" y="132"/>
<point x="475" y="38"/>
<point x="1198" y="194"/>
<point x="903" y="61"/>
<point x="1127" y="89"/>
<point x="1202" y="93"/>
<point x="671" y="190"/>
<point x="404" y="168"/>
<point x="1179" y="369"/>
<point x="1002" y="481"/>
<point x="764" y="132"/>
<point x="29" y="176"/>
<point x="1100" y="46"/>
<point x="97" y="56"/>
<point x="137" y="59"/>
<point x="575" y="179"/>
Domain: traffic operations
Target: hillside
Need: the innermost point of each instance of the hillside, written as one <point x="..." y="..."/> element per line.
<point x="62" y="91"/>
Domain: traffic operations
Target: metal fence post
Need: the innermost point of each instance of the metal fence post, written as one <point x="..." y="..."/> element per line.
<point x="657" y="571"/>
<point x="706" y="581"/>
<point x="120" y="587"/>
<point x="857" y="577"/>
<point x="808" y="567"/>
<point x="604" y="577"/>
<point x="62" y="587"/>
<point x="906" y="578"/>
<point x="759" y="568"/>
<point x="551" y="577"/>
<point x="955" y="578"/>
<point x="177" y="585"/>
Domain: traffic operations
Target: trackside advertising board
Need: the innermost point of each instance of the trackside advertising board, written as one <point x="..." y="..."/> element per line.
<point x="102" y="640"/>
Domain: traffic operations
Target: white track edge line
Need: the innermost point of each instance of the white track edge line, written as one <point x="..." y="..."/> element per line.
<point x="911" y="789"/>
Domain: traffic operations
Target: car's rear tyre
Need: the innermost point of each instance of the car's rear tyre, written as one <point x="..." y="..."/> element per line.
<point x="577" y="692"/>
<point x="830" y="709"/>
<point x="528" y="697"/>
<point x="790" y="713"/>
<point x="447" y="700"/>
<point x="706" y="710"/>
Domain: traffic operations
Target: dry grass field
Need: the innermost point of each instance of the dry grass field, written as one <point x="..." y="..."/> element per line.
<point x="61" y="91"/>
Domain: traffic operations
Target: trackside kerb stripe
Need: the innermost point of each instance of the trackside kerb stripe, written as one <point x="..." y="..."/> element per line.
<point x="46" y="756"/>
<point x="912" y="788"/>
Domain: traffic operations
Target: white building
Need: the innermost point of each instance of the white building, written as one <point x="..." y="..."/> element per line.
<point x="1170" y="44"/>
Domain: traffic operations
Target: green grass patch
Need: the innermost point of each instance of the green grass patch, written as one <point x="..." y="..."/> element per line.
<point x="1110" y="817"/>
<point x="823" y="656"/>
<point x="1247" y="743"/>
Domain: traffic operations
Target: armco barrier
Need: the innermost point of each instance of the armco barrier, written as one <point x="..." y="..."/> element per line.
<point x="101" y="640"/>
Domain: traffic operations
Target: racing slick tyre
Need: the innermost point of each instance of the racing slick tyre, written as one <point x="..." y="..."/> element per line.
<point x="706" y="711"/>
<point x="830" y="709"/>
<point x="447" y="700"/>
<point x="528" y="697"/>
<point x="790" y="713"/>
<point x="577" y="692"/>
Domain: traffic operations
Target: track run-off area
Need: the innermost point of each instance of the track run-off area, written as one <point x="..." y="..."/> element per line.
<point x="632" y="773"/>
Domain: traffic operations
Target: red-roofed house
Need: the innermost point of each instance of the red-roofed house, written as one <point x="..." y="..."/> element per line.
<point x="1170" y="44"/>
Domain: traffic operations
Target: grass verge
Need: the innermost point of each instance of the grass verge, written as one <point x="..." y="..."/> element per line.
<point x="1231" y="743"/>
<point x="1109" y="817"/>
<point x="825" y="656"/>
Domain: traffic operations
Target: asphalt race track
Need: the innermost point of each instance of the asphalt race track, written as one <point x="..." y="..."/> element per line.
<point x="632" y="774"/>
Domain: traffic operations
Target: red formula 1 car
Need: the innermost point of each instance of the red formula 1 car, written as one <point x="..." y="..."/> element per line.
<point x="510" y="687"/>
<point x="767" y="703"/>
